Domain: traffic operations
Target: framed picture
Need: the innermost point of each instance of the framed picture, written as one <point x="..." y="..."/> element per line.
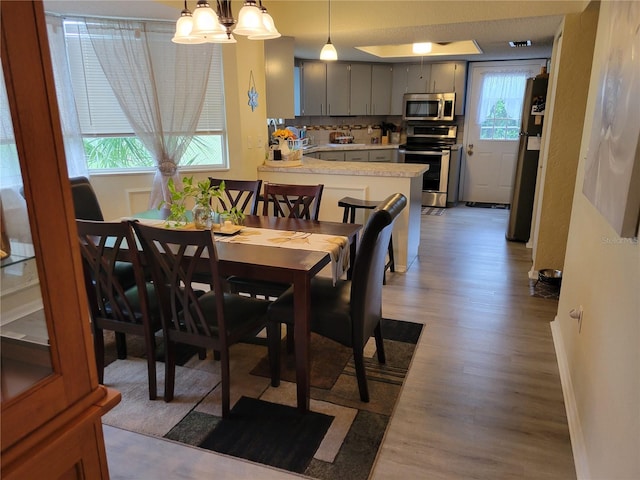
<point x="612" y="172"/>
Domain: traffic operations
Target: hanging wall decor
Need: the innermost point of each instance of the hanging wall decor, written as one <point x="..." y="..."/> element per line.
<point x="252" y="93"/>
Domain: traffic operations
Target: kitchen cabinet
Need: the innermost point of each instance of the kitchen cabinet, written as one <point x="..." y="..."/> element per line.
<point x="360" y="89"/>
<point x="418" y="77"/>
<point x="389" y="155"/>
<point x="279" y="77"/>
<point x="449" y="77"/>
<point x="398" y="87"/>
<point x="338" y="88"/>
<point x="332" y="156"/>
<point x="314" y="88"/>
<point x="356" y="156"/>
<point x="51" y="425"/>
<point x="381" y="84"/>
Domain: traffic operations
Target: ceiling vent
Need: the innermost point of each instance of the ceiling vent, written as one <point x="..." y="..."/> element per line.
<point x="522" y="43"/>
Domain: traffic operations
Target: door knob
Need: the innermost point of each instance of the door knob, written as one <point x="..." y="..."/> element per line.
<point x="470" y="149"/>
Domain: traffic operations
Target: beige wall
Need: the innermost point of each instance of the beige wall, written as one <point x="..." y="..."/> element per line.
<point x="600" y="363"/>
<point x="123" y="194"/>
<point x="567" y="98"/>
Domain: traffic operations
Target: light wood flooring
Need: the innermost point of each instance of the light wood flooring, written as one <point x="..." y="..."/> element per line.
<point x="483" y="398"/>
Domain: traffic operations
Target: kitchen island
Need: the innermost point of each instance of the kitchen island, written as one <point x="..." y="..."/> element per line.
<point x="367" y="181"/>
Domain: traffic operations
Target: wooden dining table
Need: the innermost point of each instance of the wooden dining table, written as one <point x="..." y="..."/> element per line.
<point x="284" y="265"/>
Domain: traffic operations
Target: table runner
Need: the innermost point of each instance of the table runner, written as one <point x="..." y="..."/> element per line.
<point x="337" y="247"/>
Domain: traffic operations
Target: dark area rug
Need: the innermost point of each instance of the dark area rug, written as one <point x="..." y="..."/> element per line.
<point x="503" y="206"/>
<point x="269" y="433"/>
<point x="135" y="348"/>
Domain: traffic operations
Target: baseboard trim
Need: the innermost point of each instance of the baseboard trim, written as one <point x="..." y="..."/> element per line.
<point x="575" y="429"/>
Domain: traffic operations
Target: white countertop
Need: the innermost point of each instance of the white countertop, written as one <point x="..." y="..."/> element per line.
<point x="377" y="169"/>
<point x="350" y="146"/>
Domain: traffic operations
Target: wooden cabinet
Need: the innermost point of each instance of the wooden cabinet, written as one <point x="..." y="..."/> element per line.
<point x="314" y="88"/>
<point x="360" y="89"/>
<point x="279" y="77"/>
<point x="381" y="84"/>
<point x="52" y="428"/>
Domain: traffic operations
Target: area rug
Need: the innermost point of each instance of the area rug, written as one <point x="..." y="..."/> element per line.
<point x="433" y="211"/>
<point x="338" y="439"/>
<point x="503" y="206"/>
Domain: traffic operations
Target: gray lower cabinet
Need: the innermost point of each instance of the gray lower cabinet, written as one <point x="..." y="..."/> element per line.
<point x="356" y="156"/>
<point x="383" y="155"/>
<point x="332" y="155"/>
<point x="377" y="155"/>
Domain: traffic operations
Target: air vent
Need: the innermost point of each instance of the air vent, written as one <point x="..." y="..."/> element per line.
<point x="521" y="43"/>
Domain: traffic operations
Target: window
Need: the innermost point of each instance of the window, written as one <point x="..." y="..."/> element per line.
<point x="109" y="140"/>
<point x="501" y="105"/>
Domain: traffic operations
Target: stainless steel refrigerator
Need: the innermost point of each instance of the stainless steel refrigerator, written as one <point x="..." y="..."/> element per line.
<point x="524" y="185"/>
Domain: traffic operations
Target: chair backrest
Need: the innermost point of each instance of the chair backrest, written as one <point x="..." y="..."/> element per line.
<point x="85" y="201"/>
<point x="105" y="246"/>
<point x="178" y="258"/>
<point x="368" y="268"/>
<point x="294" y="201"/>
<point x="242" y="194"/>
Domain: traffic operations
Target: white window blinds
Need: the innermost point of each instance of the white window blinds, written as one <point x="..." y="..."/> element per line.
<point x="98" y="109"/>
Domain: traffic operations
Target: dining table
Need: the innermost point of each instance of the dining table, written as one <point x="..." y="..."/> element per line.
<point x="283" y="265"/>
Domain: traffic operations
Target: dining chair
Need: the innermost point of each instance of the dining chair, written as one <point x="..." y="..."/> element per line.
<point x="114" y="303"/>
<point x="293" y="201"/>
<point x="85" y="200"/>
<point x="213" y="319"/>
<point x="350" y="311"/>
<point x="242" y="194"/>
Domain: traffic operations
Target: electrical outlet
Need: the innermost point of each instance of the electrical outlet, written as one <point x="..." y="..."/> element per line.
<point x="260" y="142"/>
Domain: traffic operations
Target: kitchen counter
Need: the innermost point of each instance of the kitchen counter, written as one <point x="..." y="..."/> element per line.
<point x="367" y="181"/>
<point x="378" y="169"/>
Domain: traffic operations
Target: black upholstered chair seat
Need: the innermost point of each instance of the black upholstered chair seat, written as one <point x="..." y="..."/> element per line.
<point x="244" y="309"/>
<point x="332" y="320"/>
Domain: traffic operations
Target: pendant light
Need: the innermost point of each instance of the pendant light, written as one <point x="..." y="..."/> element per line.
<point x="329" y="52"/>
<point x="205" y="20"/>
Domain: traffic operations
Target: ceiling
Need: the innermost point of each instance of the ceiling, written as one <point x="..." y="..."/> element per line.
<point x="491" y="24"/>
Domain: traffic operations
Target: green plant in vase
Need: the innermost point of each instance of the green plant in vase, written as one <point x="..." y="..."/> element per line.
<point x="202" y="192"/>
<point x="177" y="208"/>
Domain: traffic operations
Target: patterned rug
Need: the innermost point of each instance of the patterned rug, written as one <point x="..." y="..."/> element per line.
<point x="502" y="206"/>
<point x="433" y="211"/>
<point x="338" y="439"/>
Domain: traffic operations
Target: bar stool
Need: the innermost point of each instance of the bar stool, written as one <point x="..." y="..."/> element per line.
<point x="350" y="206"/>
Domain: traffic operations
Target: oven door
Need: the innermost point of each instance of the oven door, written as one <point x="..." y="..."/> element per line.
<point x="434" y="180"/>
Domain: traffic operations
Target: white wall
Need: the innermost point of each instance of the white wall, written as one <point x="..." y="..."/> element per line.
<point x="601" y="361"/>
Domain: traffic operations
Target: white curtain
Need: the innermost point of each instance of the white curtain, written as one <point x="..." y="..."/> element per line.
<point x="72" y="136"/>
<point x="508" y="86"/>
<point x="163" y="110"/>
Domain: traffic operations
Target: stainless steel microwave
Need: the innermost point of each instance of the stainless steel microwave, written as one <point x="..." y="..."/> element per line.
<point x="428" y="106"/>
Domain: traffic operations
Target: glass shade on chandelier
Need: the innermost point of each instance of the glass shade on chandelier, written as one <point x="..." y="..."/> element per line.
<point x="208" y="26"/>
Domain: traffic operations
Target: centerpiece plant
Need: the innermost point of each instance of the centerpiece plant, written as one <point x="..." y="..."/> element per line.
<point x="201" y="192"/>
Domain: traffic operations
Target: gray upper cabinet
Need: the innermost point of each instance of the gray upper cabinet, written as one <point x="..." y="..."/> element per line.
<point x="314" y="88"/>
<point x="398" y="87"/>
<point x="450" y="77"/>
<point x="360" y="89"/>
<point x="381" y="84"/>
<point x="279" y="78"/>
<point x="418" y="76"/>
<point x="337" y="88"/>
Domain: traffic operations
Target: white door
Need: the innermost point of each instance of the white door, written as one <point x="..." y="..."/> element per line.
<point x="492" y="127"/>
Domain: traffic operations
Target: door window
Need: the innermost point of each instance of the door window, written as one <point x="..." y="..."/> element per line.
<point x="500" y="108"/>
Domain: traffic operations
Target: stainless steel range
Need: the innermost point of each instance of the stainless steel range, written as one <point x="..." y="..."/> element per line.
<point x="430" y="144"/>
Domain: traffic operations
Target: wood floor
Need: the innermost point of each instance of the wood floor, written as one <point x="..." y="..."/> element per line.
<point x="483" y="398"/>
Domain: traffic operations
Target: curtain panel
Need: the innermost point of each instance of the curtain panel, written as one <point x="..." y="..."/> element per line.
<point x="163" y="109"/>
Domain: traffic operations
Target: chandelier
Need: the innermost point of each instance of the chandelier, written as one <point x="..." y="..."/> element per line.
<point x="206" y="25"/>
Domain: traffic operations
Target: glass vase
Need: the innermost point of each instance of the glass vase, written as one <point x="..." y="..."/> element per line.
<point x="202" y="217"/>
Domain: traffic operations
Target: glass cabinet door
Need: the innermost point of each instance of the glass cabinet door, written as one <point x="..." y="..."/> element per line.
<point x="24" y="339"/>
